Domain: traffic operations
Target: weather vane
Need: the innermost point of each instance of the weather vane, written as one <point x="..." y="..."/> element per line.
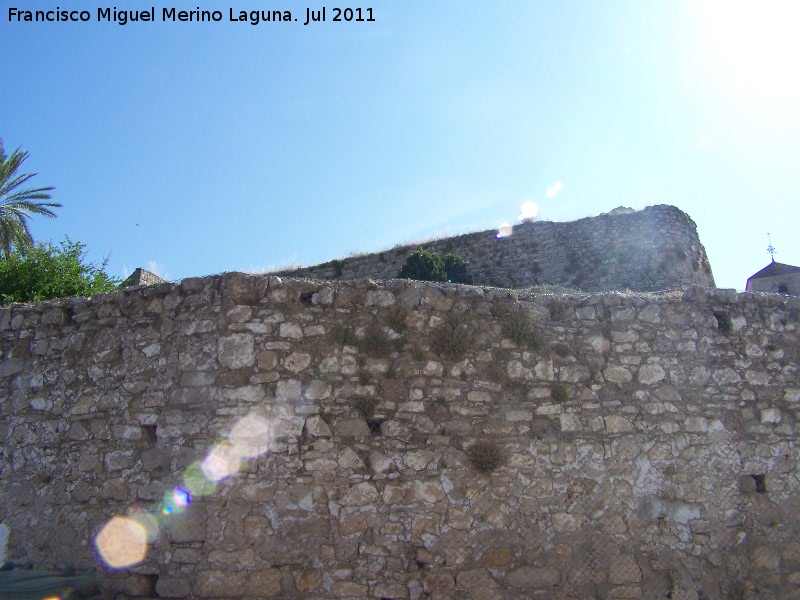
<point x="771" y="248"/>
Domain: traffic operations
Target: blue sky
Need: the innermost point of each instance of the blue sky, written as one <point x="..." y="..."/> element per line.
<point x="198" y="148"/>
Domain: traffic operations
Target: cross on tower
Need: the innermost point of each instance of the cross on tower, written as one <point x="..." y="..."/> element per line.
<point x="771" y="249"/>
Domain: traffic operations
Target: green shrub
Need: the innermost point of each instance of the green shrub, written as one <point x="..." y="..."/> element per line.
<point x="422" y="265"/>
<point x="45" y="272"/>
<point x="456" y="269"/>
<point x="485" y="456"/>
<point x="338" y="267"/>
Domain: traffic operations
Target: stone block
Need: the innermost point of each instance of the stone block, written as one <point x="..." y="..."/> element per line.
<point x="308" y="580"/>
<point x="349" y="589"/>
<point x="533" y="577"/>
<point x="438" y="583"/>
<point x="263" y="584"/>
<point x="617" y="375"/>
<point x="360" y="494"/>
<point x="173" y="587"/>
<point x="617" y="424"/>
<point x="624" y="569"/>
<point x="351" y="428"/>
<point x="236" y="351"/>
<point x="394" y="591"/>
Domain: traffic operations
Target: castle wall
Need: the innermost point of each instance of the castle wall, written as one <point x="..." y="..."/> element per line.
<point x="649" y="250"/>
<point x="648" y="442"/>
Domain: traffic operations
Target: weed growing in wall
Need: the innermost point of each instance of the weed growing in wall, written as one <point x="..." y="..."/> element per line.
<point x="558" y="310"/>
<point x="451" y="340"/>
<point x="496" y="372"/>
<point x="485" y="456"/>
<point x="397" y="320"/>
<point x="498" y="310"/>
<point x="338" y="268"/>
<point x="518" y="327"/>
<point x="559" y="392"/>
<point x="376" y="342"/>
<point x="561" y="349"/>
<point x="344" y="336"/>
<point x="365" y="406"/>
<point x="417" y="354"/>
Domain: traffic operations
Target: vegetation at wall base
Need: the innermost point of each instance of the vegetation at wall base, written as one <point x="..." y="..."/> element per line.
<point x="46" y="272"/>
<point x="422" y="265"/>
<point x="456" y="269"/>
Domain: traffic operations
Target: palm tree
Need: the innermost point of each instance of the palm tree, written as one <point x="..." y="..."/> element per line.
<point x="16" y="206"/>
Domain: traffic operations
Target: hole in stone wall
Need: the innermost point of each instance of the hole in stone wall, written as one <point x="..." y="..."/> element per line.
<point x="724" y="322"/>
<point x="306" y="297"/>
<point x="761" y="483"/>
<point x="150" y="434"/>
<point x="375" y="427"/>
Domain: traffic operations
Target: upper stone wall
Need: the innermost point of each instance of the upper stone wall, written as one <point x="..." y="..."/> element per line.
<point x="649" y="441"/>
<point x="649" y="250"/>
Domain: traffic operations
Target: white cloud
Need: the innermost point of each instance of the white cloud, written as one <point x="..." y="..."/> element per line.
<point x="528" y="210"/>
<point x="554" y="189"/>
<point x="158" y="269"/>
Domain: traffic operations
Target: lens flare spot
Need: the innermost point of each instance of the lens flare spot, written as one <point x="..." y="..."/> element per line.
<point x="181" y="497"/>
<point x="223" y="461"/>
<point x="148" y="521"/>
<point x="122" y="542"/>
<point x="196" y="482"/>
<point x="175" y="501"/>
<point x="251" y="436"/>
<point x="504" y="230"/>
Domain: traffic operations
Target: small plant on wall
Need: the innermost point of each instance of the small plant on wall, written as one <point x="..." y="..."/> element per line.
<point x="559" y="392"/>
<point x="338" y="267"/>
<point x="485" y="456"/>
<point x="520" y="330"/>
<point x="451" y="340"/>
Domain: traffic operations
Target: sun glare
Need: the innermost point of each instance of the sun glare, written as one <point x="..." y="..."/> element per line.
<point x="753" y="47"/>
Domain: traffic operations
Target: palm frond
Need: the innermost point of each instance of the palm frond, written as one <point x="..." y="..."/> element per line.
<point x="17" y="205"/>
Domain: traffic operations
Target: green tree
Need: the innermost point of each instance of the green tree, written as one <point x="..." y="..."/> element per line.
<point x="45" y="272"/>
<point x="17" y="205"/>
<point x="423" y="266"/>
<point x="456" y="268"/>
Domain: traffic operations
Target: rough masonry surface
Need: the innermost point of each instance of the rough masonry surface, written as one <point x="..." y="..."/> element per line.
<point x="648" y="250"/>
<point x="647" y="441"/>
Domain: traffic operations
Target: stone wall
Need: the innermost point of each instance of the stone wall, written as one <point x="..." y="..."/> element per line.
<point x="649" y="250"/>
<point x="646" y="443"/>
